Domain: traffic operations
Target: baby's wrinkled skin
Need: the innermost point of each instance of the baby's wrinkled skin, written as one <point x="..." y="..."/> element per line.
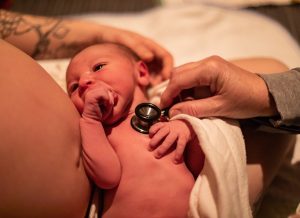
<point x="136" y="170"/>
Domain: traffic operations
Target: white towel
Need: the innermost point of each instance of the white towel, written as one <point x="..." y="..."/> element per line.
<point x="221" y="190"/>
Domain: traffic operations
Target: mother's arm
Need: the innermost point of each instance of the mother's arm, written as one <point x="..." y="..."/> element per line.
<point x="54" y="37"/>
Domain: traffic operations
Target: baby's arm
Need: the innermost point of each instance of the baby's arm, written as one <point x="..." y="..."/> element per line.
<point x="164" y="135"/>
<point x="194" y="157"/>
<point x="100" y="159"/>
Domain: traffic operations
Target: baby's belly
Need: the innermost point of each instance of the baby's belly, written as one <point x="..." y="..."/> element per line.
<point x="150" y="188"/>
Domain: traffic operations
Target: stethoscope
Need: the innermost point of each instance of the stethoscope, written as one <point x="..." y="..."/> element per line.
<point x="146" y="114"/>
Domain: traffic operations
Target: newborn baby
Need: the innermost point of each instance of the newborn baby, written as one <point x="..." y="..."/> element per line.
<point x="137" y="171"/>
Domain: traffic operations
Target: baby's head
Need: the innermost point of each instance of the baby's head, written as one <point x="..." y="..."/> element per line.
<point x="113" y="66"/>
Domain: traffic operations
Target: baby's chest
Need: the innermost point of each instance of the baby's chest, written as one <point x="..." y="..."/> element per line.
<point x="123" y="130"/>
<point x="132" y="149"/>
<point x="124" y="139"/>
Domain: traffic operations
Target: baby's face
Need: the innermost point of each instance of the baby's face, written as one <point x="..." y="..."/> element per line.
<point x="103" y="65"/>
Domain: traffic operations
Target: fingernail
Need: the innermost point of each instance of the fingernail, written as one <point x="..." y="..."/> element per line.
<point x="157" y="156"/>
<point x="150" y="148"/>
<point x="178" y="159"/>
<point x="174" y="112"/>
<point x="148" y="56"/>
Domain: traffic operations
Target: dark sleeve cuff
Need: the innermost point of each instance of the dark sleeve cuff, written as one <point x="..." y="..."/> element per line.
<point x="285" y="89"/>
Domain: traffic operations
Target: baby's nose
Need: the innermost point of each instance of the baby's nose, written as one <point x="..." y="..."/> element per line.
<point x="86" y="79"/>
<point x="84" y="83"/>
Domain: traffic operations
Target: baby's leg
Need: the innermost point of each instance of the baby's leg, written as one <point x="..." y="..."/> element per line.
<point x="265" y="151"/>
<point x="41" y="173"/>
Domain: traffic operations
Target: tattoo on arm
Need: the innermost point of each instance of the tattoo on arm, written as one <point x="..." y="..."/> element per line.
<point x="10" y="23"/>
<point x="45" y="30"/>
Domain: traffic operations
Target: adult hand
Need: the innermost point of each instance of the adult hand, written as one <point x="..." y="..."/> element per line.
<point x="158" y="59"/>
<point x="234" y="92"/>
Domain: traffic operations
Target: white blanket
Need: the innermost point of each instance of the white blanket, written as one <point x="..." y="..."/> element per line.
<point x="221" y="190"/>
<point x="194" y="31"/>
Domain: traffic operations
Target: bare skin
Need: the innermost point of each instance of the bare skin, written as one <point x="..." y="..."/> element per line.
<point x="41" y="171"/>
<point x="116" y="156"/>
<point x="145" y="188"/>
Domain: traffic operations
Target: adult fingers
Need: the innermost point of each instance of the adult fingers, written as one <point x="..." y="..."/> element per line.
<point x="199" y="108"/>
<point x="185" y="77"/>
<point x="147" y="50"/>
<point x="133" y="41"/>
<point x="167" y="65"/>
<point x="162" y="60"/>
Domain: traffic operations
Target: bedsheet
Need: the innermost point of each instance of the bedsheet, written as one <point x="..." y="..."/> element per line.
<point x="191" y="31"/>
<point x="240" y="3"/>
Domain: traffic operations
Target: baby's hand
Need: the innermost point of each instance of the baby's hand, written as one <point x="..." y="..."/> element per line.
<point x="98" y="102"/>
<point x="164" y="135"/>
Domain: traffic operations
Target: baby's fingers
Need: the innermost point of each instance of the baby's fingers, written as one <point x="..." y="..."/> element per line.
<point x="181" y="144"/>
<point x="155" y="128"/>
<point x="106" y="105"/>
<point x="165" y="146"/>
<point x="157" y="133"/>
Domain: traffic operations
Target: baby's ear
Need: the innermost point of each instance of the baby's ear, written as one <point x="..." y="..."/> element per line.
<point x="143" y="77"/>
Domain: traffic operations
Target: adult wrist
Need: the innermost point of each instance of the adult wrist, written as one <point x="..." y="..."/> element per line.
<point x="283" y="87"/>
<point x="268" y="104"/>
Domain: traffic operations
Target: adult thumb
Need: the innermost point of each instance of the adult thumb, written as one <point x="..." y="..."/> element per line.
<point x="206" y="107"/>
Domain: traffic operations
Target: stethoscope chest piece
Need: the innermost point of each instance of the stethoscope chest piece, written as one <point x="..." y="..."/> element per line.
<point x="146" y="114"/>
